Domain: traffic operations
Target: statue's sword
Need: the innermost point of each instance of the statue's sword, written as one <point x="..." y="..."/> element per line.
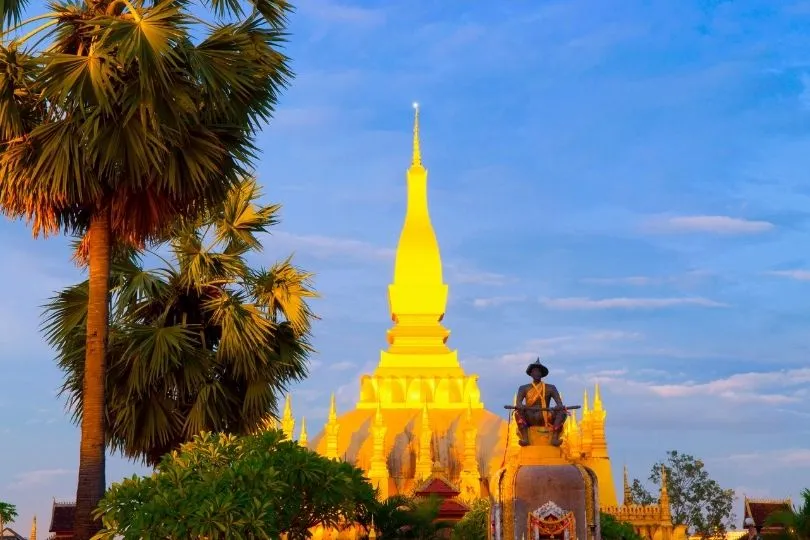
<point x="544" y="409"/>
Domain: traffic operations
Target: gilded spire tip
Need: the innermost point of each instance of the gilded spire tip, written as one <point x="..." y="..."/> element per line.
<point x="416" y="159"/>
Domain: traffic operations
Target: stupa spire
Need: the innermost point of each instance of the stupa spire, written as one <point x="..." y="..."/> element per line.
<point x="416" y="158"/>
<point x="417" y="299"/>
<point x="332" y="409"/>
<point x="33" y="535"/>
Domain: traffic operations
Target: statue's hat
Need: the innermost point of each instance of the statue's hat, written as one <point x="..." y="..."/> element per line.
<point x="537" y="364"/>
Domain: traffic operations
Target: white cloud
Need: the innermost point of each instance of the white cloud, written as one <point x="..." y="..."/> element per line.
<point x="709" y="224"/>
<point x="799" y="275"/>
<point x="644" y="281"/>
<point x="766" y="388"/>
<point x="342" y="366"/>
<point x="462" y="274"/>
<point x="497" y="301"/>
<point x="783" y="457"/>
<point x="326" y="247"/>
<point x="591" y="343"/>
<point x="581" y="303"/>
<point x="31" y="479"/>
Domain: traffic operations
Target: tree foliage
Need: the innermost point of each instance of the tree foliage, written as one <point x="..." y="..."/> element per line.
<point x="796" y="521"/>
<point x="223" y="487"/>
<point x="640" y="494"/>
<point x="475" y="523"/>
<point x="402" y="517"/>
<point x="116" y="119"/>
<point x="8" y="513"/>
<point x="613" y="529"/>
<point x="203" y="343"/>
<point x="696" y="500"/>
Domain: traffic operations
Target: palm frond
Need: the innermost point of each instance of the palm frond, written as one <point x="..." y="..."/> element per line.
<point x="239" y="219"/>
<point x="284" y="290"/>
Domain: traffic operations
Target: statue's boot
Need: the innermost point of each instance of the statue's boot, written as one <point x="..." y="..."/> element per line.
<point x="555" y="439"/>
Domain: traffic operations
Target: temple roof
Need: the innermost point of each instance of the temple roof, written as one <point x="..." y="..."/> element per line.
<point x="62" y="517"/>
<point x="437" y="485"/>
<point x="10" y="534"/>
<point x="760" y="509"/>
<point x="452" y="508"/>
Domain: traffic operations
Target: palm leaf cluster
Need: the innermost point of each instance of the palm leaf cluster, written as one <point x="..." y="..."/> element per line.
<point x="125" y="114"/>
<point x="202" y="343"/>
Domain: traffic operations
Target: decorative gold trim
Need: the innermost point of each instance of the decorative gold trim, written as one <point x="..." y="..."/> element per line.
<point x="508" y="500"/>
<point x="590" y="518"/>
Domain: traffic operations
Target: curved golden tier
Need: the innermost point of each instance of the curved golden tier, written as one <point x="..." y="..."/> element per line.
<point x="402" y="441"/>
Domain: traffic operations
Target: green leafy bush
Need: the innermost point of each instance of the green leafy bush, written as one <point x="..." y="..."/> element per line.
<point x="223" y="486"/>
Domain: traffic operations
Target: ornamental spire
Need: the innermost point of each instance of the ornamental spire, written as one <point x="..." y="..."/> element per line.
<point x="302" y="440"/>
<point x="333" y="410"/>
<point x="663" y="501"/>
<point x="628" y="494"/>
<point x="416" y="159"/>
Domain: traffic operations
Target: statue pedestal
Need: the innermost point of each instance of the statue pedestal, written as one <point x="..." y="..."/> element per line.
<point x="540" y="451"/>
<point x="540" y="487"/>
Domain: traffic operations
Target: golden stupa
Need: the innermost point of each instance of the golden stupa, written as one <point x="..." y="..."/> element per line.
<point x="420" y="412"/>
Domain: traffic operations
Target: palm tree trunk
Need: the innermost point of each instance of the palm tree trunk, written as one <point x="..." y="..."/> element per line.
<point x="92" y="482"/>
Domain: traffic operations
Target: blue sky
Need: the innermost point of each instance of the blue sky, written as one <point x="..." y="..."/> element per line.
<point x="617" y="186"/>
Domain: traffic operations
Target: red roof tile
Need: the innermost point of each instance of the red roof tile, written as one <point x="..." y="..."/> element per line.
<point x="759" y="510"/>
<point x="437" y="486"/>
<point x="62" y="517"/>
<point x="452" y="508"/>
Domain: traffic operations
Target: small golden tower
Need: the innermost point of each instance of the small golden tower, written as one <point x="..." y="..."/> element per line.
<point x="424" y="461"/>
<point x="378" y="469"/>
<point x="332" y="429"/>
<point x="666" y="512"/>
<point x="628" y="494"/>
<point x="302" y="439"/>
<point x="33" y="535"/>
<point x="287" y="420"/>
<point x="470" y="477"/>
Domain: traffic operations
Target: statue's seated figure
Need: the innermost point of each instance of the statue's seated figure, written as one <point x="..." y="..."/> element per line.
<point x="533" y="407"/>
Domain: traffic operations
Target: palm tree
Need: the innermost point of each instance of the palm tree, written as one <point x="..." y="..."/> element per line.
<point x="8" y="513"/>
<point x="796" y="521"/>
<point x="122" y="122"/>
<point x="204" y="343"/>
<point x="403" y="517"/>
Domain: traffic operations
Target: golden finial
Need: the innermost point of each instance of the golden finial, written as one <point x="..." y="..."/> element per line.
<point x="33" y="535"/>
<point x="585" y="408"/>
<point x="302" y="440"/>
<point x="597" y="398"/>
<point x="333" y="410"/>
<point x="416" y="159"/>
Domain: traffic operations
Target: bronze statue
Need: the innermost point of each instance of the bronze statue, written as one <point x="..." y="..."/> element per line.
<point x="533" y="407"/>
